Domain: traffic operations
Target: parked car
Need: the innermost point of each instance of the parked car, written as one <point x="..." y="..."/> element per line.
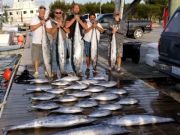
<point x="169" y="47"/>
<point x="135" y="28"/>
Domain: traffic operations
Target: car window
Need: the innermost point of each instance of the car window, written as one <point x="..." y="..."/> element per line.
<point x="174" y="26"/>
<point x="108" y="19"/>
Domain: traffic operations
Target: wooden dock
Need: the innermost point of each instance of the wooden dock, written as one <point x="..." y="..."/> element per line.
<point x="17" y="110"/>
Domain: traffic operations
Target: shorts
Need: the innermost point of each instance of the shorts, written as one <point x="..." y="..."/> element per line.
<point x="87" y="48"/>
<point x="120" y="50"/>
<point x="36" y="52"/>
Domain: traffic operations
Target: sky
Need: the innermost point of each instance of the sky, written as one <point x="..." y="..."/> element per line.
<point x="9" y="2"/>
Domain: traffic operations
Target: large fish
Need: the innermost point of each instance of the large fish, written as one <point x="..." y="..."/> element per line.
<point x="69" y="79"/>
<point x="94" y="48"/>
<point x="113" y="53"/>
<point x="76" y="87"/>
<point x="100" y="113"/>
<point x="68" y="110"/>
<point x="46" y="106"/>
<point x="100" y="129"/>
<point x="46" y="52"/>
<point x="133" y="120"/>
<point x="107" y="84"/>
<point x="61" y="51"/>
<point x="106" y="97"/>
<point x="59" y="121"/>
<point x="77" y="50"/>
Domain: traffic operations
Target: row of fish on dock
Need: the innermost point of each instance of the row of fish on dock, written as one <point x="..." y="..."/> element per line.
<point x="93" y="103"/>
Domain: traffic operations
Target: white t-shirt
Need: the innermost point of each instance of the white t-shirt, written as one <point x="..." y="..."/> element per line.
<point x="88" y="35"/>
<point x="48" y="24"/>
<point x="36" y="34"/>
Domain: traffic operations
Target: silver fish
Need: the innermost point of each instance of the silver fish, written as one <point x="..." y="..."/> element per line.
<point x="88" y="81"/>
<point x="59" y="121"/>
<point x="44" y="97"/>
<point x="100" y="113"/>
<point x="127" y="101"/>
<point x="61" y="51"/>
<point x="100" y="129"/>
<point x="55" y="91"/>
<point x="77" y="49"/>
<point x="113" y="53"/>
<point x="107" y="84"/>
<point x="60" y="83"/>
<point x="76" y="87"/>
<point x="67" y="99"/>
<point x="106" y="97"/>
<point x="111" y="107"/>
<point x="118" y="91"/>
<point x="87" y="103"/>
<point x="39" y="81"/>
<point x="45" y="106"/>
<point x="39" y="88"/>
<point x="46" y="52"/>
<point x="80" y="94"/>
<point x="94" y="48"/>
<point x="69" y="79"/>
<point x="68" y="110"/>
<point x="99" y="78"/>
<point x="133" y="120"/>
<point x="95" y="89"/>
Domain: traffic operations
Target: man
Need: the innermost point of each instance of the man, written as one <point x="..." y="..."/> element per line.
<point x="36" y="27"/>
<point x="52" y="27"/>
<point x="92" y="24"/>
<point x="119" y="29"/>
<point x="71" y="24"/>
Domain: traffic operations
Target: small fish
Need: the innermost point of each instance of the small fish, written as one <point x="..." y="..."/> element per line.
<point x="111" y="107"/>
<point x="76" y="87"/>
<point x="44" y="97"/>
<point x="69" y="79"/>
<point x="55" y="91"/>
<point x="80" y="94"/>
<point x="39" y="88"/>
<point x="100" y="113"/>
<point x="39" y="81"/>
<point x="134" y="120"/>
<point x="95" y="89"/>
<point x="45" y="106"/>
<point x="60" y="83"/>
<point x="107" y="84"/>
<point x="88" y="81"/>
<point x="87" y="103"/>
<point x="67" y="98"/>
<point x="118" y="91"/>
<point x="59" y="121"/>
<point x="100" y="129"/>
<point x="68" y="110"/>
<point x="106" y="97"/>
<point x="127" y="101"/>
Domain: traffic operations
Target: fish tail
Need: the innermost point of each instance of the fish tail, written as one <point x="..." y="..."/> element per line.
<point x="5" y="131"/>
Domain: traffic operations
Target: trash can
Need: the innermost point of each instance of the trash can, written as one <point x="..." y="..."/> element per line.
<point x="131" y="50"/>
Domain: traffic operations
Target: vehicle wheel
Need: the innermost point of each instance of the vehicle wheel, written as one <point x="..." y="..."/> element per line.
<point x="136" y="56"/>
<point x="138" y="33"/>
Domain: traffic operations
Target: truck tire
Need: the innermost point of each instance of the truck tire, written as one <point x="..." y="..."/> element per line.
<point x="138" y="33"/>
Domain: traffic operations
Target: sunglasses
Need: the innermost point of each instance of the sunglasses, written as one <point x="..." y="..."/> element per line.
<point x="58" y="12"/>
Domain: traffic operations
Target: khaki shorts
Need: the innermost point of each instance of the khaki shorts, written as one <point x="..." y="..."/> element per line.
<point x="120" y="50"/>
<point x="36" y="53"/>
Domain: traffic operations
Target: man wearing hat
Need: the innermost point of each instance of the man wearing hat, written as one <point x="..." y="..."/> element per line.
<point x="119" y="28"/>
<point x="36" y="27"/>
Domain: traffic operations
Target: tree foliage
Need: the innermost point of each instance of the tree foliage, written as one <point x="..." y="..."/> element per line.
<point x="152" y="9"/>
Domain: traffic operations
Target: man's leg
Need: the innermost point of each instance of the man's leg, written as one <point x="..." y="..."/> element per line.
<point x="119" y="56"/>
